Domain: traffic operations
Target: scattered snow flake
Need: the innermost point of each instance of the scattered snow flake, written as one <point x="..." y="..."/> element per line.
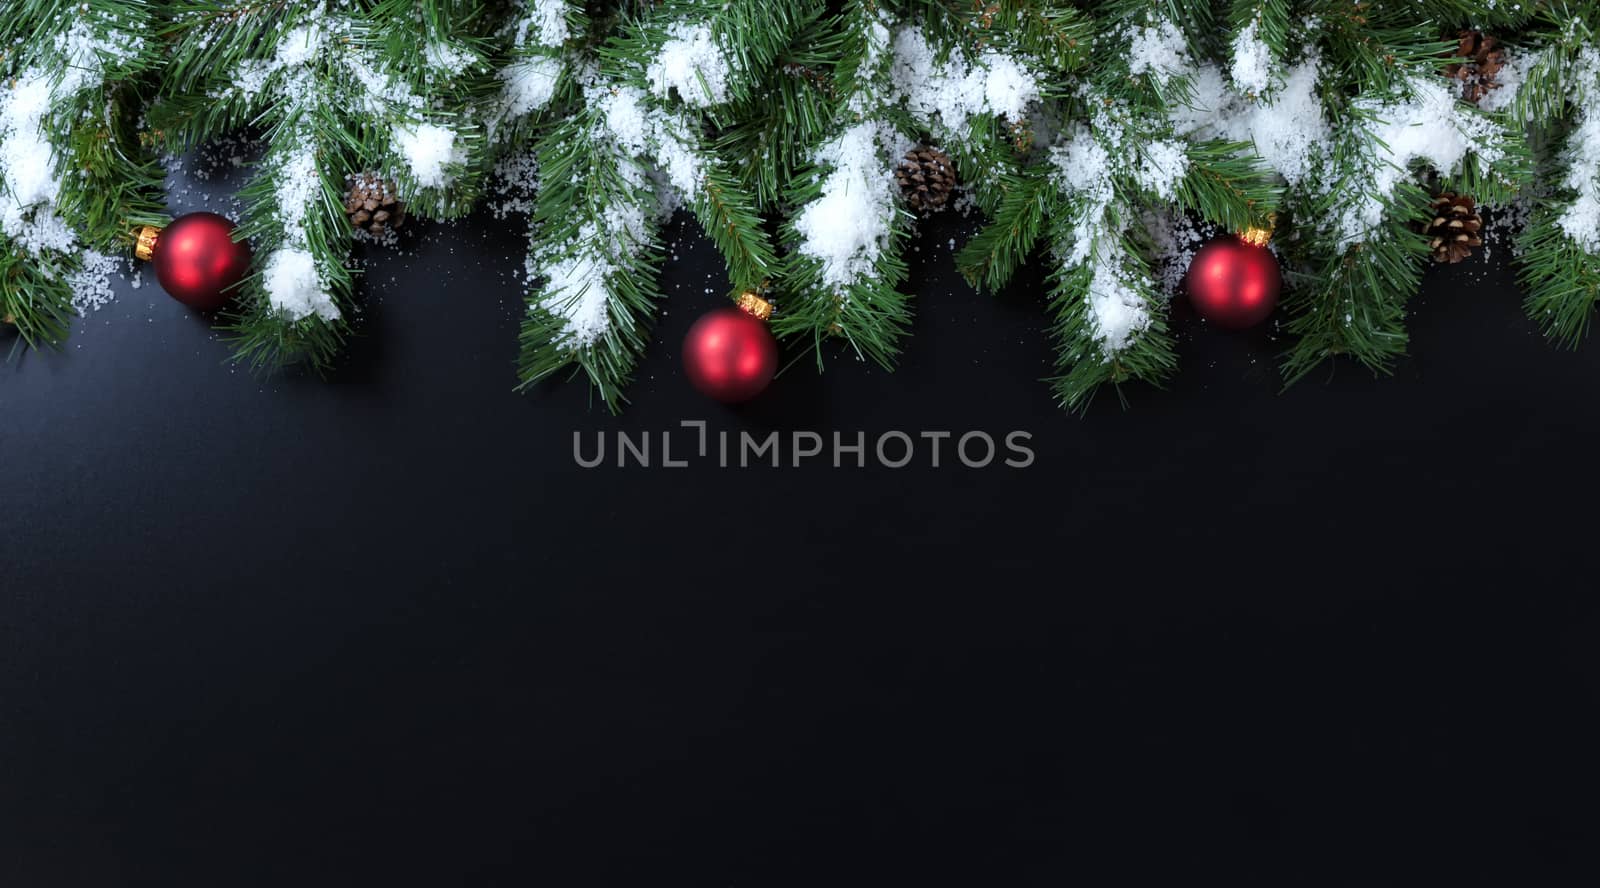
<point x="517" y="184"/>
<point x="91" y="283"/>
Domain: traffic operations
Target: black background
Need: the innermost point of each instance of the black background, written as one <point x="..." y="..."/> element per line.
<point x="382" y="629"/>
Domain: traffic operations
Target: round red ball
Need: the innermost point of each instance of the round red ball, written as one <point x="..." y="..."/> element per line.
<point x="730" y="355"/>
<point x="197" y="260"/>
<point x="1234" y="284"/>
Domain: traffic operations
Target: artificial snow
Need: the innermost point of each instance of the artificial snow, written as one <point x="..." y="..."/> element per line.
<point x="623" y="114"/>
<point x="1008" y="87"/>
<point x="450" y="59"/>
<point x="1118" y="312"/>
<point x="692" y="64"/>
<point x="958" y="89"/>
<point x="530" y="84"/>
<point x="1159" y="50"/>
<point x="1289" y="132"/>
<point x="1083" y="172"/>
<point x="382" y="92"/>
<point x="25" y="154"/>
<point x="576" y="274"/>
<point x="1581" y="220"/>
<point x="298" y="46"/>
<point x="297" y="187"/>
<point x="642" y="131"/>
<point x="428" y="150"/>
<point x="86" y="54"/>
<point x="675" y="156"/>
<point x="294" y="287"/>
<point x="543" y="23"/>
<point x="1161" y="167"/>
<point x="1513" y="71"/>
<point x="91" y="283"/>
<point x="1432" y="127"/>
<point x="575" y="291"/>
<point x="848" y="227"/>
<point x="295" y="50"/>
<point x="1252" y="62"/>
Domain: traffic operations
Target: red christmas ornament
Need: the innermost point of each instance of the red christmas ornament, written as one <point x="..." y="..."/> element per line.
<point x="196" y="259"/>
<point x="1233" y="282"/>
<point x="729" y="354"/>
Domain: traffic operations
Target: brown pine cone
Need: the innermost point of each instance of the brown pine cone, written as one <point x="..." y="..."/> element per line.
<point x="926" y="178"/>
<point x="372" y="205"/>
<point x="1454" y="232"/>
<point x="1485" y="57"/>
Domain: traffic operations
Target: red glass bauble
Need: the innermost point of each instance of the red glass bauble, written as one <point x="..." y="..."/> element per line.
<point x="1234" y="284"/>
<point x="730" y="355"/>
<point x="197" y="260"/>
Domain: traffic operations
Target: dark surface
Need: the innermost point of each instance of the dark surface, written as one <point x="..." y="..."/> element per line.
<point x="382" y="629"/>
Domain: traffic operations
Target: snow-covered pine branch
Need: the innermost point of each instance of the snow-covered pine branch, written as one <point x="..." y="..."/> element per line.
<point x="591" y="268"/>
<point x="691" y="68"/>
<point x="1107" y="315"/>
<point x="337" y="96"/>
<point x="537" y="66"/>
<point x="1560" y="249"/>
<point x="70" y="188"/>
<point x="904" y="83"/>
<point x="844" y="267"/>
<point x="970" y="103"/>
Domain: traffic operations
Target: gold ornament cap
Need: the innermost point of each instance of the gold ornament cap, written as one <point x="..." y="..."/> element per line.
<point x="753" y="305"/>
<point x="144" y="245"/>
<point x="1260" y="237"/>
<point x="1256" y="237"/>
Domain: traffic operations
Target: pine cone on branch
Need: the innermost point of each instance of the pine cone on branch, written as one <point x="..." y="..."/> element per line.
<point x="926" y="178"/>
<point x="372" y="205"/>
<point x="1454" y="232"/>
<point x="1485" y="57"/>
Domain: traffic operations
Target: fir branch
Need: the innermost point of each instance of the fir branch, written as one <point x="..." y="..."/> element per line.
<point x="1270" y="19"/>
<point x="1057" y="35"/>
<point x="35" y="296"/>
<point x="1225" y="183"/>
<point x="870" y="314"/>
<point x="1085" y="359"/>
<point x="1561" y="279"/>
<point x="993" y="255"/>
<point x="733" y="223"/>
<point x="594" y="214"/>
<point x="1354" y="303"/>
